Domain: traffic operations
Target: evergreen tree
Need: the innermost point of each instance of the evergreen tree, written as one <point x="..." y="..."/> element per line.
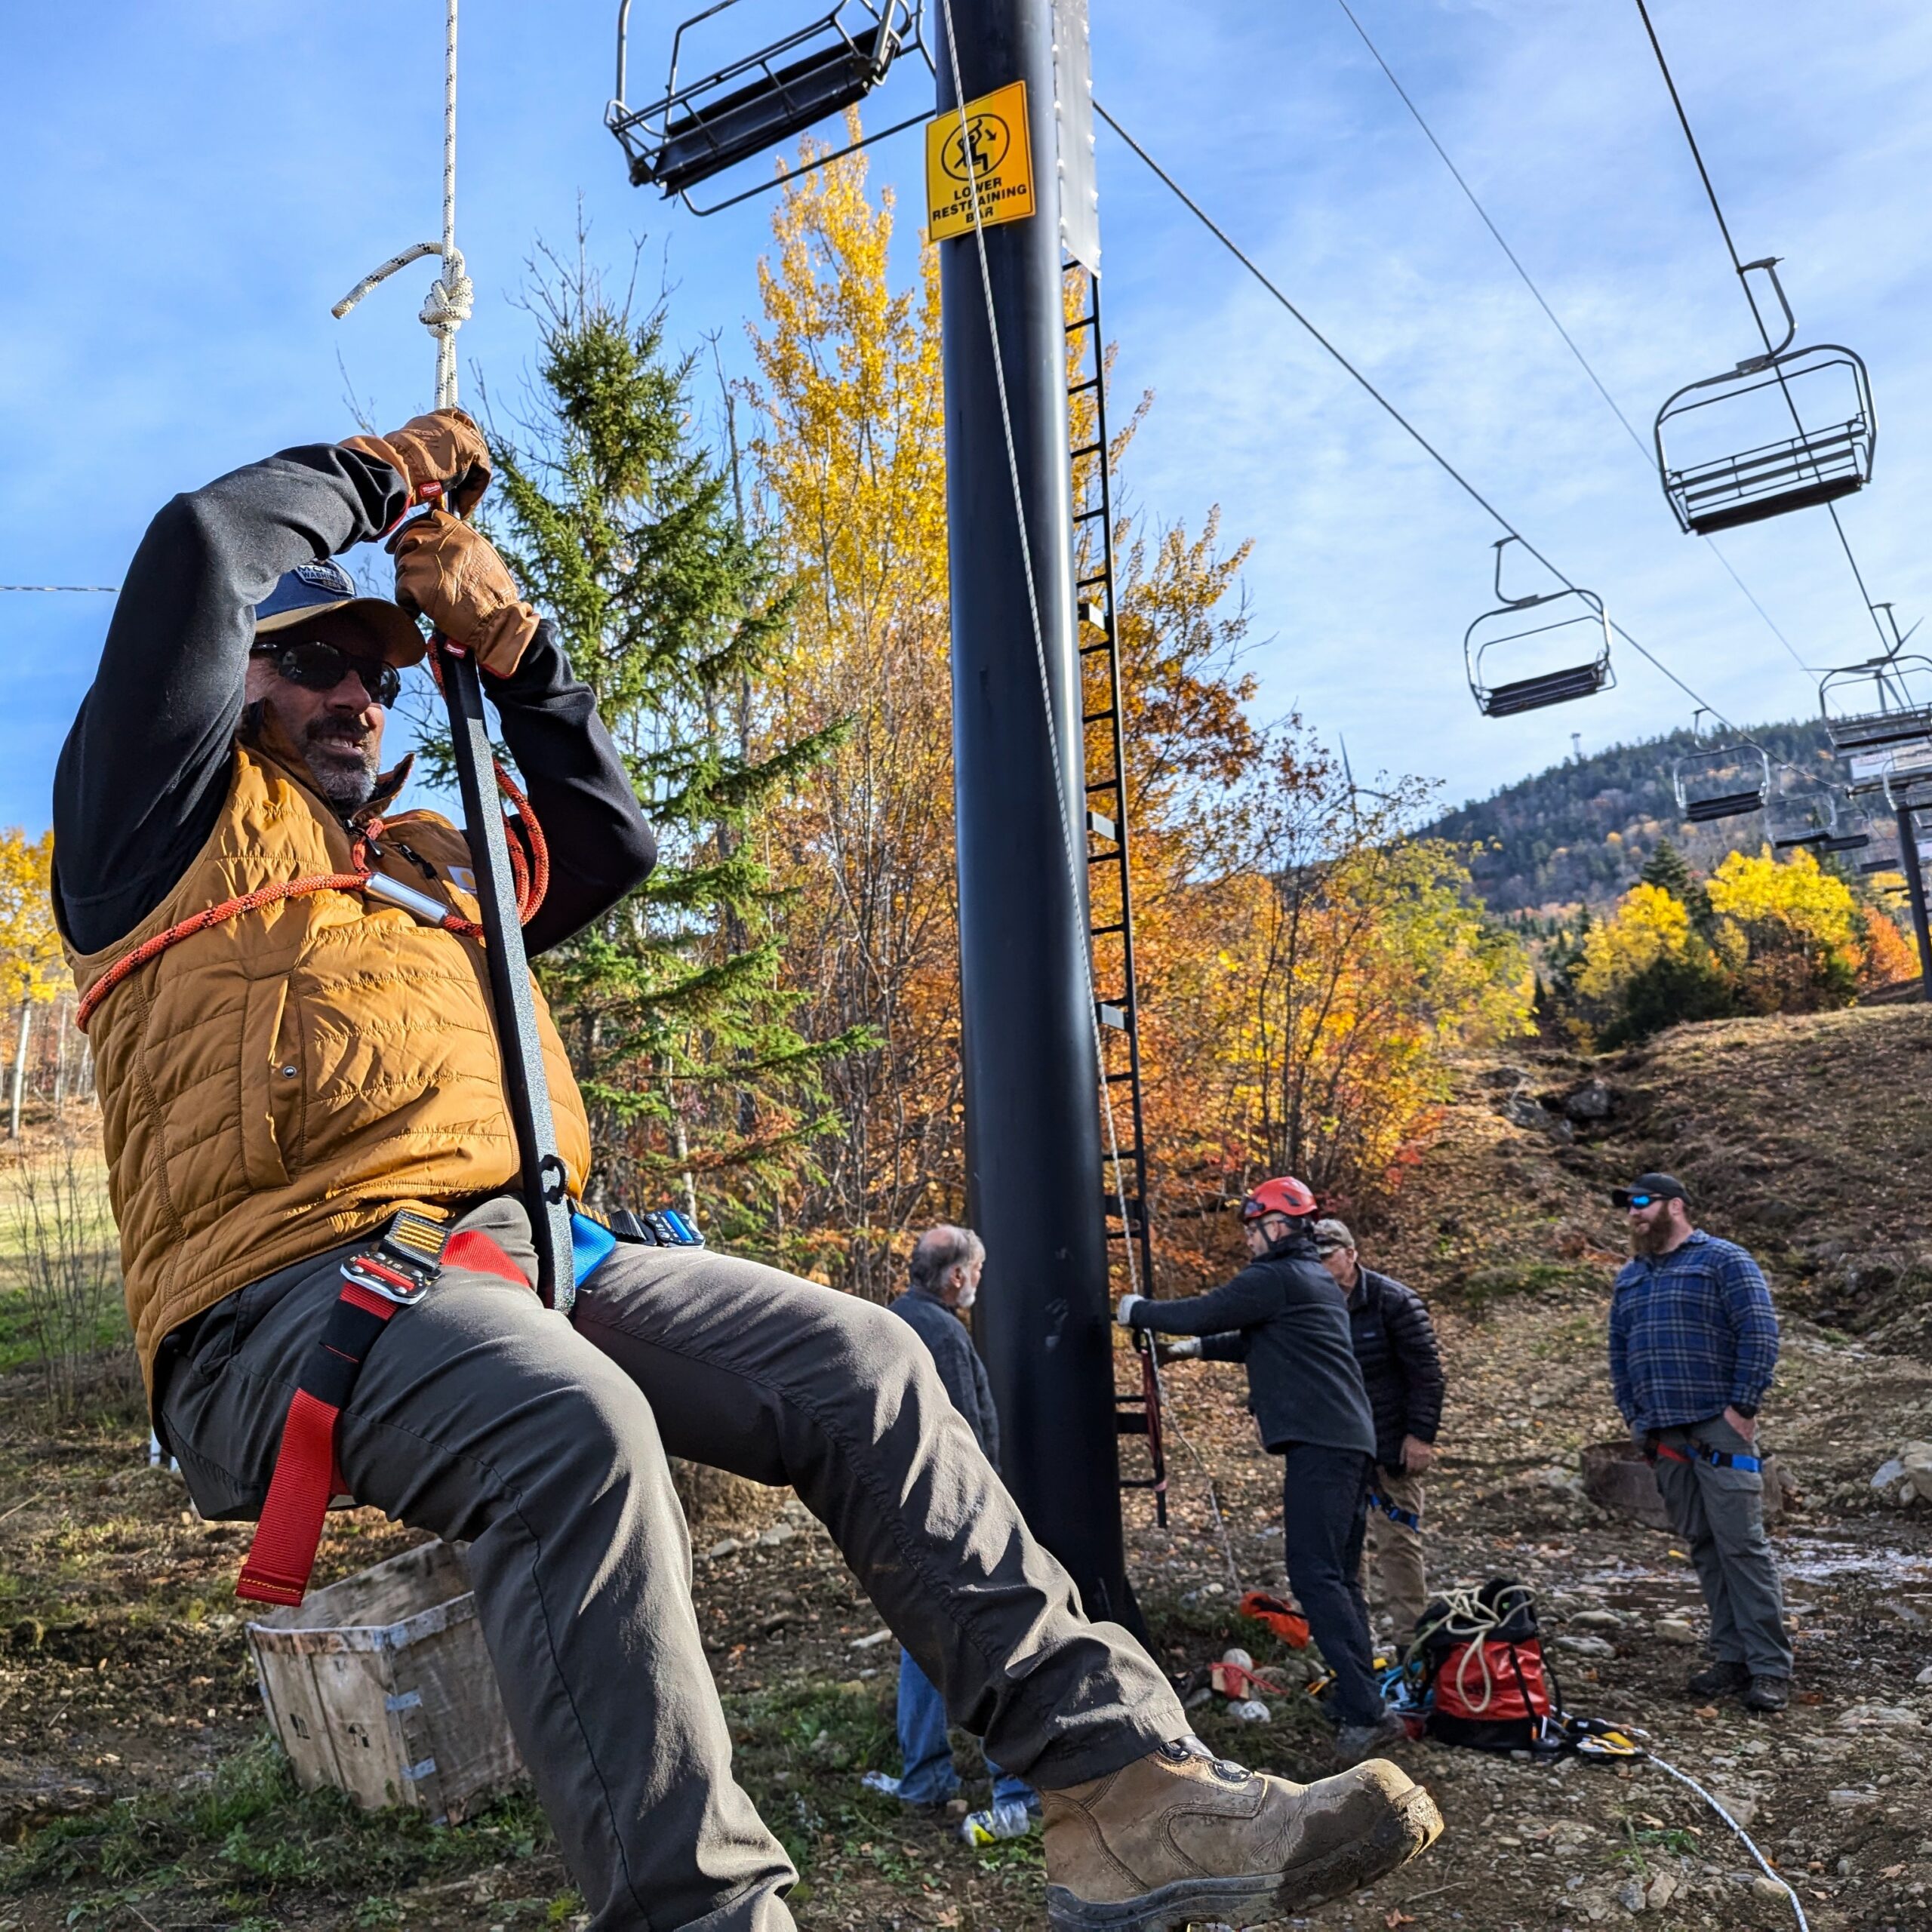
<point x="1667" y="870"/>
<point x="621" y="525"/>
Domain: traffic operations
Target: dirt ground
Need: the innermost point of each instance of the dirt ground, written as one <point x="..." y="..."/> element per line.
<point x="137" y="1791"/>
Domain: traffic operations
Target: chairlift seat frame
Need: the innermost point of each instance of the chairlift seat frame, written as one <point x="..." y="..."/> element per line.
<point x="1867" y="729"/>
<point x="736" y="112"/>
<point x="1729" y="766"/>
<point x="1559" y="686"/>
<point x="1798" y="471"/>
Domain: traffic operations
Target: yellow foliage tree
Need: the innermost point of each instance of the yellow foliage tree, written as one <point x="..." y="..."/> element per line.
<point x="1796" y="935"/>
<point x="1649" y="925"/>
<point x="32" y="968"/>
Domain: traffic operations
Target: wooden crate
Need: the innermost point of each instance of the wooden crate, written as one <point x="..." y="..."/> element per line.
<point x="380" y="1685"/>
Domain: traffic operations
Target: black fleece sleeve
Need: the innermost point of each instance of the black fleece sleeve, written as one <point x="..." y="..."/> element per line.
<point x="1230" y="1347"/>
<point x="141" y="778"/>
<point x="1251" y="1297"/>
<point x="600" y="846"/>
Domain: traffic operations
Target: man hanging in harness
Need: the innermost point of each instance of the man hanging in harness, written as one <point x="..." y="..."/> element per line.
<point x="301" y="1083"/>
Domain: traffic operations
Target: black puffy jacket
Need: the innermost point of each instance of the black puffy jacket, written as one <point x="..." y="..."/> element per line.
<point x="1394" y="1342"/>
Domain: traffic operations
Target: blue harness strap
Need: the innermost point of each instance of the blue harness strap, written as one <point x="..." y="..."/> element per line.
<point x="1409" y="1518"/>
<point x="591" y="1245"/>
<point x="1718" y="1459"/>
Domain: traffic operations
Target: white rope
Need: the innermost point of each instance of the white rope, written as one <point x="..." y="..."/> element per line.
<point x="452" y="295"/>
<point x="1684" y="1778"/>
<point x="1073" y="866"/>
<point x="109" y="589"/>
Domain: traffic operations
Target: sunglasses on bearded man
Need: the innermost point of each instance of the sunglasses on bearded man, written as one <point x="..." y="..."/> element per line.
<point x="316" y="667"/>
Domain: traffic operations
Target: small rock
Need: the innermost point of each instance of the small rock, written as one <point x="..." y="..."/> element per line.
<point x="1845" y="1799"/>
<point x="871" y="1642"/>
<point x="779" y="1532"/>
<point x="1742" y="1809"/>
<point x="1769" y="1890"/>
<point x="1631" y="1898"/>
<point x="1586" y="1646"/>
<point x="1598" y="1620"/>
<point x="725" y="1547"/>
<point x="1250" y="1710"/>
<point x="1663" y="1889"/>
<point x="1595" y="1100"/>
<point x="1673" y="1630"/>
<point x="1924" y="1676"/>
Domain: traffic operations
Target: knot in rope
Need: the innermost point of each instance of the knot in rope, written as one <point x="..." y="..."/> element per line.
<point x="451" y="297"/>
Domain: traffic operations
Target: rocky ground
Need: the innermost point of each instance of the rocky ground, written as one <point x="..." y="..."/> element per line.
<point x="138" y="1792"/>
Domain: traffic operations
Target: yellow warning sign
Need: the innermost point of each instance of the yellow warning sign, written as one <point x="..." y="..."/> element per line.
<point x="994" y="137"/>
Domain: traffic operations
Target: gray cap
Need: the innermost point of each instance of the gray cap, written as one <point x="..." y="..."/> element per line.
<point x="1331" y="1236"/>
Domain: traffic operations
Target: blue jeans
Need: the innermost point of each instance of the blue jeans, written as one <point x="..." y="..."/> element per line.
<point x="927" y="1776"/>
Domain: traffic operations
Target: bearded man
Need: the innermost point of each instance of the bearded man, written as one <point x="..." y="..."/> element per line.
<point x="1693" y="1344"/>
<point x="300" y="1075"/>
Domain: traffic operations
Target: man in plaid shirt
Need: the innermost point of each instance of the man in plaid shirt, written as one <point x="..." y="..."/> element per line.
<point x="1693" y="1343"/>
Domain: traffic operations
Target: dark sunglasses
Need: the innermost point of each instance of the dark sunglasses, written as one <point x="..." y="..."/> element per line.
<point x="316" y="667"/>
<point x="1621" y="1198"/>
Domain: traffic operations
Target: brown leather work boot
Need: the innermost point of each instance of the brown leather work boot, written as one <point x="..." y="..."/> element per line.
<point x="1180" y="1836"/>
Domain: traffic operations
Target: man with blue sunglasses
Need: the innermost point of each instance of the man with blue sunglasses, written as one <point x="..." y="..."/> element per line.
<point x="1693" y="1344"/>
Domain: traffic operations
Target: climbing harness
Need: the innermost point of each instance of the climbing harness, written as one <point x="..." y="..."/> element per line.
<point x="395" y="1272"/>
<point x="1717" y="1458"/>
<point x="1409" y="1519"/>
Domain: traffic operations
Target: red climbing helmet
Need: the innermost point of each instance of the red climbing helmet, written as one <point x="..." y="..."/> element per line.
<point x="1284" y="1196"/>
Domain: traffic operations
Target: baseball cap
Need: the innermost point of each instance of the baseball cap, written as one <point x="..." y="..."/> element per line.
<point x="324" y="587"/>
<point x="1661" y="1186"/>
<point x="1331" y="1236"/>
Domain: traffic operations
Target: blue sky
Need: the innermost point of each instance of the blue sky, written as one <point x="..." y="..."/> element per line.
<point x="194" y="182"/>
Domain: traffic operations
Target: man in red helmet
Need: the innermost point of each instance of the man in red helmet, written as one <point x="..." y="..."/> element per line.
<point x="1284" y="1316"/>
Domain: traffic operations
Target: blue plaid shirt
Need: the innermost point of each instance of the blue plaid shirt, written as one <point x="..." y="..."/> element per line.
<point x="1691" y="1333"/>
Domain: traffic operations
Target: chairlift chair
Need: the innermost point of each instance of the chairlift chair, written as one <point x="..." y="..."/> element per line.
<point x="1803" y="817"/>
<point x="1563" y="655"/>
<point x="1737" y="449"/>
<point x="1720" y="781"/>
<point x="1884" y="701"/>
<point x="699" y="129"/>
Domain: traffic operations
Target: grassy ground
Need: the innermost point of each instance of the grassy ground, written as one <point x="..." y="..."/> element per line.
<point x="138" y="1789"/>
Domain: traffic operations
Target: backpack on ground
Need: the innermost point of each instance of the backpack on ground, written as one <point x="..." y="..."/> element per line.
<point x="1485" y="1681"/>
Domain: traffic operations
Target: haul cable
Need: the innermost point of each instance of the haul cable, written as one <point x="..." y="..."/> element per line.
<point x="1448" y="469"/>
<point x="1646" y="455"/>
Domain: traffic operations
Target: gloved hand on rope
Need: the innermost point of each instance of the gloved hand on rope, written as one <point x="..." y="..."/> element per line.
<point x="1178" y="1348"/>
<point x="446" y="572"/>
<point x="444" y="448"/>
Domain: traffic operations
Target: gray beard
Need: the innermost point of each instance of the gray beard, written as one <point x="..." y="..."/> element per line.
<point x="347" y="787"/>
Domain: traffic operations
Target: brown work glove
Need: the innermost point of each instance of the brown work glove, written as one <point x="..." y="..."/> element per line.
<point x="444" y="448"/>
<point x="448" y="572"/>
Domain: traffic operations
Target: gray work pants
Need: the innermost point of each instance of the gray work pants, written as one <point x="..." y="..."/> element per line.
<point x="541" y="1442"/>
<point x="1720" y="1514"/>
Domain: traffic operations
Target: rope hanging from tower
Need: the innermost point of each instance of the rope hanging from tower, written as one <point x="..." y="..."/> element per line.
<point x="452" y="295"/>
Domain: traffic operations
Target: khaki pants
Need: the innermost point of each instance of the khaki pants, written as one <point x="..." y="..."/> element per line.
<point x="542" y="1442"/>
<point x="1394" y="1550"/>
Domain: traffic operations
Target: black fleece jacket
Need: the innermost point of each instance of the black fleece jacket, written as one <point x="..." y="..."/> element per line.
<point x="1394" y="1342"/>
<point x="1283" y="1316"/>
<point x="960" y="1368"/>
<point x="146" y="768"/>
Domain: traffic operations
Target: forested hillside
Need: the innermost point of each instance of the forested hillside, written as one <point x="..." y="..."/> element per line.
<point x="1582" y="829"/>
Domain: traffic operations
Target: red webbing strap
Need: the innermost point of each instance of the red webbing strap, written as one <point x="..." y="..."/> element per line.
<point x="282" y="1557"/>
<point x="283" y="1554"/>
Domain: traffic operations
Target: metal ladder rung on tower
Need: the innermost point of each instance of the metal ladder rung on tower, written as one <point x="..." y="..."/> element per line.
<point x="1110" y="914"/>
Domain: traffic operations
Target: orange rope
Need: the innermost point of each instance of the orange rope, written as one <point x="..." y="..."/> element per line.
<point x="532" y="879"/>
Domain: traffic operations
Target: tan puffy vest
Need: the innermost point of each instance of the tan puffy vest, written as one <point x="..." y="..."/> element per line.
<point x="289" y="1077"/>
